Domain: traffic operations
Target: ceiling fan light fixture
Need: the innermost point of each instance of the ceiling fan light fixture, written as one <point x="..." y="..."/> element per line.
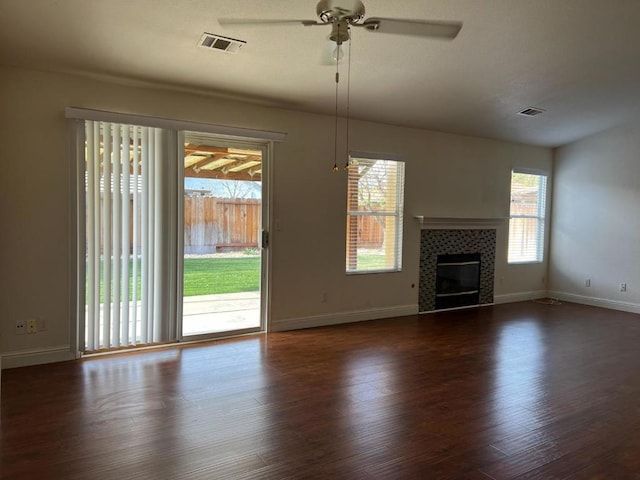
<point x="338" y="53"/>
<point x="339" y="32"/>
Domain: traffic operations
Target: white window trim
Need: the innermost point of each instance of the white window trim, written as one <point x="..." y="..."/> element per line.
<point x="398" y="213"/>
<point x="541" y="218"/>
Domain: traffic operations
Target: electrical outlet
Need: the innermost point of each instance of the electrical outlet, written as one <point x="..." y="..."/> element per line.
<point x="42" y="324"/>
<point x="587" y="282"/>
<point x="21" y="327"/>
<point x="623" y="287"/>
<point x="32" y="325"/>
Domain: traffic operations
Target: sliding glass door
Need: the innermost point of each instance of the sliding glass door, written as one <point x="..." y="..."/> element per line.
<point x="223" y="212"/>
<point x="170" y="229"/>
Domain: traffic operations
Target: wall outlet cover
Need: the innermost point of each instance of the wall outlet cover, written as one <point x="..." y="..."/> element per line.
<point x="32" y="325"/>
<point x="21" y="327"/>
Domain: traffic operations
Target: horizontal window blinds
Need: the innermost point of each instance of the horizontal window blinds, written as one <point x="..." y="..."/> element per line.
<point x="527" y="217"/>
<point x="375" y="199"/>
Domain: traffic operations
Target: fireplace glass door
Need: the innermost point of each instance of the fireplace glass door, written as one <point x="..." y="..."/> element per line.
<point x="457" y="280"/>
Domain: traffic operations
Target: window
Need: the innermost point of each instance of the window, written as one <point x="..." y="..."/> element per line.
<point x="375" y="198"/>
<point x="526" y="217"/>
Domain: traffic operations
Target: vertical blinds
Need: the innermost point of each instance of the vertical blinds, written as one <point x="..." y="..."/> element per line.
<point x="526" y="219"/>
<point x="375" y="198"/>
<point x="125" y="264"/>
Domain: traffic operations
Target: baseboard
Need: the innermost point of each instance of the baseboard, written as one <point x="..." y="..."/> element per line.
<point x="520" y="296"/>
<point x="36" y="357"/>
<point x="342" y="317"/>
<point x="596" y="302"/>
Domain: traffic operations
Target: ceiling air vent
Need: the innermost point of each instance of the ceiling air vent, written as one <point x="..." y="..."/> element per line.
<point x="531" y="112"/>
<point x="218" y="42"/>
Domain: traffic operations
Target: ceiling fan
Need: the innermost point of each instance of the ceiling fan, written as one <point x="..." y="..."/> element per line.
<point x="343" y="14"/>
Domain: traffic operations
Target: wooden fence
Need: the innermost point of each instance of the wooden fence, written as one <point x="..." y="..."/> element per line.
<point x="212" y="224"/>
<point x="370" y="232"/>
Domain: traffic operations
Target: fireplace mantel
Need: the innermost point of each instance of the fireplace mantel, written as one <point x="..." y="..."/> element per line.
<point x="456" y="223"/>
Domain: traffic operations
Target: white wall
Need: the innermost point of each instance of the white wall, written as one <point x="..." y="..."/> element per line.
<point x="446" y="175"/>
<point x="596" y="219"/>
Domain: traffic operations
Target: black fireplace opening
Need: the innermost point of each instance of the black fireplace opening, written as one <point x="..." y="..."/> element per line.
<point x="457" y="280"/>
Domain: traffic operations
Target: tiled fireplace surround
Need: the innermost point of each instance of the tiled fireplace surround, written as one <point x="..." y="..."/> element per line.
<point x="446" y="241"/>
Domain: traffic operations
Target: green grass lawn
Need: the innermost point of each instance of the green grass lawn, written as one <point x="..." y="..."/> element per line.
<point x="206" y="276"/>
<point x="371" y="261"/>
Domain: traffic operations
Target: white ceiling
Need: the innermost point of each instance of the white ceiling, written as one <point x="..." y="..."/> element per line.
<point x="577" y="59"/>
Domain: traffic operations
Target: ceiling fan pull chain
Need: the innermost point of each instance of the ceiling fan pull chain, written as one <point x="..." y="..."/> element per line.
<point x="335" y="158"/>
<point x="346" y="164"/>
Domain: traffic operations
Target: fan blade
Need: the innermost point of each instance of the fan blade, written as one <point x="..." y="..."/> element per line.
<point x="262" y="21"/>
<point x="419" y="28"/>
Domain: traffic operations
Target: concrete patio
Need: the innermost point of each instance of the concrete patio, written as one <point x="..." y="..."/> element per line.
<point x="220" y="313"/>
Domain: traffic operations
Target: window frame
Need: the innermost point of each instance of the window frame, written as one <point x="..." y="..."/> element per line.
<point x="540" y="216"/>
<point x="397" y="213"/>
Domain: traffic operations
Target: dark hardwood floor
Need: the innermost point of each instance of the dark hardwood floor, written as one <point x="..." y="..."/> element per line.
<point x="518" y="391"/>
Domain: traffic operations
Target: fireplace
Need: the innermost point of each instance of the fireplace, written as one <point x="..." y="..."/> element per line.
<point x="457" y="280"/>
<point x="445" y="246"/>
